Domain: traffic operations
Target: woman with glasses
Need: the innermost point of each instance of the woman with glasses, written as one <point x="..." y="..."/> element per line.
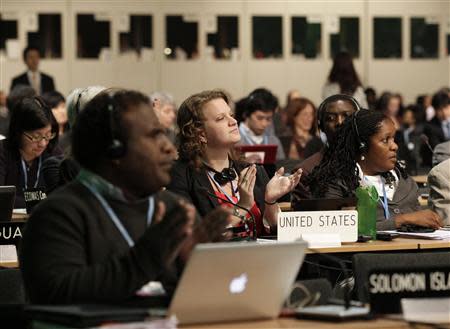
<point x="32" y="137"/>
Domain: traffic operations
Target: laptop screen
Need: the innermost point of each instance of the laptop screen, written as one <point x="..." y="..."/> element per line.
<point x="236" y="281"/>
<point x="7" y="198"/>
<point x="263" y="154"/>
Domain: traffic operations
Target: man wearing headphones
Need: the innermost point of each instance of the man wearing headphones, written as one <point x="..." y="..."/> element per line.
<point x="331" y="114"/>
<point x="103" y="236"/>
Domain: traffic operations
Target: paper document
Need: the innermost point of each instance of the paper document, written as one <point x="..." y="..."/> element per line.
<point x="426" y="310"/>
<point x="8" y="253"/>
<point x="436" y="235"/>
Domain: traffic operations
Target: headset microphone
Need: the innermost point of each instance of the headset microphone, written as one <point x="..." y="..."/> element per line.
<point x="424" y="139"/>
<point x="361" y="145"/>
<point x="223" y="177"/>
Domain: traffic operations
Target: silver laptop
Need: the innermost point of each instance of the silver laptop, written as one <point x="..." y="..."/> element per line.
<point x="236" y="281"/>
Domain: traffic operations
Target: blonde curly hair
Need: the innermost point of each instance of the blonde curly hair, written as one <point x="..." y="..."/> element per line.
<point x="190" y="121"/>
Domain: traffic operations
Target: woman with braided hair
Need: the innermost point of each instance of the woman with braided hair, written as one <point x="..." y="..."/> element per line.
<point x="363" y="152"/>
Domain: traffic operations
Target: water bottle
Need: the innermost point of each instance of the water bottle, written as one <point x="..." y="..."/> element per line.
<point x="367" y="210"/>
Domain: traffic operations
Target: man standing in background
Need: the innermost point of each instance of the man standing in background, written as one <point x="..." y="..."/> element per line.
<point x="40" y="82"/>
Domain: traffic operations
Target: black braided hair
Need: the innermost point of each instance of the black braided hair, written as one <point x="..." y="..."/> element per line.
<point x="339" y="160"/>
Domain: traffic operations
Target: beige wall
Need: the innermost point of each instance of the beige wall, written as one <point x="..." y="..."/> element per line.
<point x="407" y="76"/>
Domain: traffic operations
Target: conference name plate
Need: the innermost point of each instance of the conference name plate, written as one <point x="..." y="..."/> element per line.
<point x="292" y="224"/>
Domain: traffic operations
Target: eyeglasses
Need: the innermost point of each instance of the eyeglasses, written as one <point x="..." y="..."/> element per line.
<point x="39" y="138"/>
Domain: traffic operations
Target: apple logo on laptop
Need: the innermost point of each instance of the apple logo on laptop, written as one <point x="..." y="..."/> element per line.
<point x="237" y="284"/>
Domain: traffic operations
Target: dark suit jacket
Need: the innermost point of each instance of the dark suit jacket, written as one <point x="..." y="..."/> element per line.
<point x="73" y="253"/>
<point x="433" y="130"/>
<point x="412" y="156"/>
<point x="47" y="83"/>
<point x="191" y="183"/>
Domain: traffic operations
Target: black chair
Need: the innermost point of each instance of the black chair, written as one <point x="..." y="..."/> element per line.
<point x="12" y="299"/>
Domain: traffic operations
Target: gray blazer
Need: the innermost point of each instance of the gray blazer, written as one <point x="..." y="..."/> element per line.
<point x="405" y="200"/>
<point x="441" y="153"/>
<point x="439" y="182"/>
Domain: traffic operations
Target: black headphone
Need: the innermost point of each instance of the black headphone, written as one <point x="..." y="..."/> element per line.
<point x="361" y="145"/>
<point x="117" y="148"/>
<point x="225" y="176"/>
<point x="331" y="99"/>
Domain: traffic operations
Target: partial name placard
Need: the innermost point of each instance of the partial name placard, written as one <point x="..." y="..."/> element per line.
<point x="292" y="224"/>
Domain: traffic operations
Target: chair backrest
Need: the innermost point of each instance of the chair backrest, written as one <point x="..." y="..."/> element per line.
<point x="12" y="299"/>
<point x="12" y="290"/>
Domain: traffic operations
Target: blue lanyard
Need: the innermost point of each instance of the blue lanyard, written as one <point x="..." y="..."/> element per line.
<point x="249" y="140"/>
<point x="112" y="215"/>
<point x="25" y="173"/>
<point x="384" y="202"/>
<point x="230" y="198"/>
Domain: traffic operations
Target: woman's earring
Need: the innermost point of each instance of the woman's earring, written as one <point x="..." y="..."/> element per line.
<point x="363" y="158"/>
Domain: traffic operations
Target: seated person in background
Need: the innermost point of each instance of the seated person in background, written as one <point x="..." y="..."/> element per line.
<point x="423" y="102"/>
<point x="331" y="114"/>
<point x="164" y="107"/>
<point x="16" y="95"/>
<point x="441" y="153"/>
<point x="409" y="140"/>
<point x="112" y="230"/>
<point x="270" y="102"/>
<point x="301" y="114"/>
<point x="4" y="115"/>
<point x="390" y="104"/>
<point x="207" y="166"/>
<point x="371" y="96"/>
<point x="292" y="94"/>
<point x="55" y="100"/>
<point x="438" y="129"/>
<point x="254" y="130"/>
<point x="439" y="183"/>
<point x="32" y="137"/>
<point x="59" y="171"/>
<point x="364" y="153"/>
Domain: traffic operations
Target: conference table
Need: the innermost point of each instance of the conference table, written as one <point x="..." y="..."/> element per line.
<point x="399" y="244"/>
<point x="379" y="323"/>
<point x="420" y="179"/>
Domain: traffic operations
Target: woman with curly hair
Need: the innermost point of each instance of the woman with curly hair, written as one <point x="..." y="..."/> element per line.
<point x="208" y="173"/>
<point x="364" y="153"/>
